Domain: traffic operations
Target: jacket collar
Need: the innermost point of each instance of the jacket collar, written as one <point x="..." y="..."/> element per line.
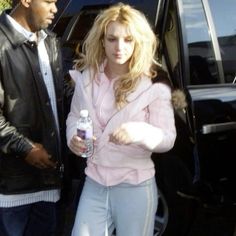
<point x="143" y="84"/>
<point x="13" y="36"/>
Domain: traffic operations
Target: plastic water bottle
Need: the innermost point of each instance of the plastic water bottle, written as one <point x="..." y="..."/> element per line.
<point x="85" y="132"/>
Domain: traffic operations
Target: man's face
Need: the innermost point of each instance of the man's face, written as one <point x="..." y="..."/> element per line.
<point x="41" y="14"/>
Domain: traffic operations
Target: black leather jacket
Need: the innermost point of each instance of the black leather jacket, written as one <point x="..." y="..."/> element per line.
<point x="25" y="112"/>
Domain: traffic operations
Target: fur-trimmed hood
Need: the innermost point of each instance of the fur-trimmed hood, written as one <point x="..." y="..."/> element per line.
<point x="178" y="95"/>
<point x="178" y="99"/>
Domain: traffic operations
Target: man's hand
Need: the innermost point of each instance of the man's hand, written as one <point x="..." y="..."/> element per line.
<point x="39" y="157"/>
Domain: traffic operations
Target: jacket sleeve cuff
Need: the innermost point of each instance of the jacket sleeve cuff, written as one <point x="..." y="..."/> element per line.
<point x="25" y="148"/>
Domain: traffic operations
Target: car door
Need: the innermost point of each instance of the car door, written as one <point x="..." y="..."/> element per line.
<point x="210" y="38"/>
<point x="197" y="47"/>
<point x="198" y="43"/>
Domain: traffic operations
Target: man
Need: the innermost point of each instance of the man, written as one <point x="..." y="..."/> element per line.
<point x="31" y="119"/>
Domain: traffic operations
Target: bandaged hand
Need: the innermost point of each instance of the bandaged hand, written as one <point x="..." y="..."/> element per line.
<point x="137" y="132"/>
<point x="124" y="134"/>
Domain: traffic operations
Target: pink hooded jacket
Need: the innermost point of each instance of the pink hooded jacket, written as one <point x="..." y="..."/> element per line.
<point x="148" y="137"/>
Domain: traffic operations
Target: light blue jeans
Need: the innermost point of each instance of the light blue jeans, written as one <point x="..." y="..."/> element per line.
<point x="130" y="209"/>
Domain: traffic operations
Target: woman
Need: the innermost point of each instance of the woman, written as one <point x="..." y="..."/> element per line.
<point x="132" y="118"/>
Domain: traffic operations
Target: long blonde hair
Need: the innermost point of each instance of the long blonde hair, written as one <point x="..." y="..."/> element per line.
<point x="142" y="61"/>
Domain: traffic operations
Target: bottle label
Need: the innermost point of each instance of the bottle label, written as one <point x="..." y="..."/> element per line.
<point x="85" y="134"/>
<point x="81" y="133"/>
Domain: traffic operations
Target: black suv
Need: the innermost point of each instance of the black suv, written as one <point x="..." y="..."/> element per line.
<point x="198" y="50"/>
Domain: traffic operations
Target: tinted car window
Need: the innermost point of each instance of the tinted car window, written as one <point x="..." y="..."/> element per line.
<point x="61" y="26"/>
<point x="202" y="61"/>
<point x="172" y="46"/>
<point x="226" y="32"/>
<point x="75" y="18"/>
<point x="149" y="8"/>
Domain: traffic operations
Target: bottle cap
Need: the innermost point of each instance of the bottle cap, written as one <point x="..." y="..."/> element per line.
<point x="84" y="113"/>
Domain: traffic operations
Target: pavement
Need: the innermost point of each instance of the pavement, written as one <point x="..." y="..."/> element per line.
<point x="214" y="222"/>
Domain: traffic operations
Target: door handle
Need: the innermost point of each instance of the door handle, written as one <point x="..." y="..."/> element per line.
<point x="219" y="127"/>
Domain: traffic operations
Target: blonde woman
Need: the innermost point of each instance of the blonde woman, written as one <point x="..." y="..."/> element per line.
<point x="132" y="118"/>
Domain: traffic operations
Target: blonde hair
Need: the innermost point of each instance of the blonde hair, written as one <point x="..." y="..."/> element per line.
<point x="142" y="61"/>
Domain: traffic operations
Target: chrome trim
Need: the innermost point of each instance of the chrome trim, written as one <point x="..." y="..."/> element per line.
<point x="157" y="12"/>
<point x="234" y="80"/>
<point x="219" y="127"/>
<point x="184" y="55"/>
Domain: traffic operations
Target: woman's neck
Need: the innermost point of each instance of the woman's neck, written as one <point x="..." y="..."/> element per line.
<point x="114" y="70"/>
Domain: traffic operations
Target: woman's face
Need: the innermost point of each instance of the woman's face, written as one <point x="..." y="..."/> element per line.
<point x="118" y="43"/>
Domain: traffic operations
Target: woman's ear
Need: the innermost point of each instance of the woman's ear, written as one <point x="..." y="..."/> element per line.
<point x="25" y="3"/>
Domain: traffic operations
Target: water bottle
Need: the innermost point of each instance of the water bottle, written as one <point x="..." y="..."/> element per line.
<point x="85" y="132"/>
